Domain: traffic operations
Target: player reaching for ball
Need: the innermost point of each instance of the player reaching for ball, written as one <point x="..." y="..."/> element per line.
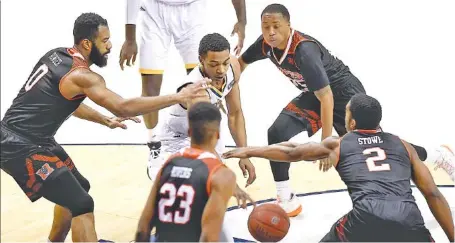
<point x="326" y="86"/>
<point x="377" y="168"/>
<point x="190" y="195"/>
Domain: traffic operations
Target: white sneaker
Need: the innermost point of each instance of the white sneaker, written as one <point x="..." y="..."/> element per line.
<point x="154" y="161"/>
<point x="291" y="206"/>
<point x="446" y="160"/>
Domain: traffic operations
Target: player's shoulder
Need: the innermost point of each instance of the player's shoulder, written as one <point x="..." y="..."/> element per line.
<point x="235" y="65"/>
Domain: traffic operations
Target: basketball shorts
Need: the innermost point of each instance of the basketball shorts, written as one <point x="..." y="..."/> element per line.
<point x="307" y="108"/>
<point x="392" y="226"/>
<point x="161" y="23"/>
<point x="31" y="163"/>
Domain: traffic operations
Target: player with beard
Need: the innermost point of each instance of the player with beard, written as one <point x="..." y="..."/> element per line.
<point x="54" y="91"/>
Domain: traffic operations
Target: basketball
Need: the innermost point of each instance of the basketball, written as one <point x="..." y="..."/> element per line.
<point x="268" y="223"/>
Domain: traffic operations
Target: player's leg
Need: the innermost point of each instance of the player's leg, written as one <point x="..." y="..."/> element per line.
<point x="62" y="216"/>
<point x="336" y="232"/>
<point x="188" y="28"/>
<point x="155" y="42"/>
<point x="299" y="115"/>
<point x="64" y="190"/>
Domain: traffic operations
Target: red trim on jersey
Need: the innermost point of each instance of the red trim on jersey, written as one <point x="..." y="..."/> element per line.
<point x="372" y="131"/>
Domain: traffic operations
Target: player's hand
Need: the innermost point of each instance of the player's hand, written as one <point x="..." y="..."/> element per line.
<point x="239" y="28"/>
<point x="114" y="122"/>
<point x="243" y="198"/>
<point x="325" y="164"/>
<point x="128" y="53"/>
<point x="191" y="91"/>
<point x="240" y="153"/>
<point x="248" y="170"/>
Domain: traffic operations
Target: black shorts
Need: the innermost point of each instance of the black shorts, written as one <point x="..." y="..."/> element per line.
<point x="307" y="108"/>
<point x="360" y="226"/>
<point x="31" y="163"/>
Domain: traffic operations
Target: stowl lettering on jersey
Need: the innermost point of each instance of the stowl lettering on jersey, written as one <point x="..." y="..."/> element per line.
<point x="369" y="140"/>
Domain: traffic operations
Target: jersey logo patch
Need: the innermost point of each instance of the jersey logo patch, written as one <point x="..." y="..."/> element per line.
<point x="181" y="172"/>
<point x="55" y="59"/>
<point x="45" y="171"/>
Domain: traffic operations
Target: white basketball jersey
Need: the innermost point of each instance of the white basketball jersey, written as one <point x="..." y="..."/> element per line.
<point x="173" y="134"/>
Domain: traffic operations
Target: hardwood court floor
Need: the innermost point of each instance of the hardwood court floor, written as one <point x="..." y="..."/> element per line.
<point x="120" y="186"/>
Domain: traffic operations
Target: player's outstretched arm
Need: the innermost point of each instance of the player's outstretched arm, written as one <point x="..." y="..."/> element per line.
<point x="222" y="187"/>
<point x="94" y="86"/>
<point x="309" y="151"/>
<point x="89" y="114"/>
<point x="145" y="225"/>
<point x="436" y="201"/>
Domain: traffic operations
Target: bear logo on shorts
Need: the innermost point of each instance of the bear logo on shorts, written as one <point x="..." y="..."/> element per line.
<point x="45" y="171"/>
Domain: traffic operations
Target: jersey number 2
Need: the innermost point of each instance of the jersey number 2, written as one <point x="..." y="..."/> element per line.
<point x="182" y="216"/>
<point x="371" y="161"/>
<point x="36" y="76"/>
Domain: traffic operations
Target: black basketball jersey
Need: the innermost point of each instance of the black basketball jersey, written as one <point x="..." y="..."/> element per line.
<point x="183" y="191"/>
<point x="375" y="164"/>
<point x="39" y="109"/>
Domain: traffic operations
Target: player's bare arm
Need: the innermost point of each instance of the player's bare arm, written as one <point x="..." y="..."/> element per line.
<point x="309" y="151"/>
<point x="86" y="113"/>
<point x="236" y="123"/>
<point x="83" y="81"/>
<point x="239" y="27"/>
<point x="222" y="187"/>
<point x="145" y="225"/>
<point x="252" y="54"/>
<point x="312" y="69"/>
<point x="128" y="52"/>
<point x="325" y="96"/>
<point x="435" y="200"/>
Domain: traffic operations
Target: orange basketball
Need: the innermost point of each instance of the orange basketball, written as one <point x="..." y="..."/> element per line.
<point x="268" y="223"/>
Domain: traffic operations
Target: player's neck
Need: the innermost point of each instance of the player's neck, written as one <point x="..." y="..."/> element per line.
<point x="86" y="56"/>
<point x="204" y="147"/>
<point x="284" y="44"/>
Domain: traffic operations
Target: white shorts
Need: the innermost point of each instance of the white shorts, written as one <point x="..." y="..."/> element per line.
<point x="161" y="23"/>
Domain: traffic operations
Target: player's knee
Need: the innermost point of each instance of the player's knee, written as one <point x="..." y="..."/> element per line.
<point x="85" y="184"/>
<point x="83" y="205"/>
<point x="151" y="84"/>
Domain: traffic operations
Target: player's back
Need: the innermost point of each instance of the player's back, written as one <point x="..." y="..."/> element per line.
<point x="183" y="191"/>
<point x="376" y="169"/>
<point x="39" y="109"/>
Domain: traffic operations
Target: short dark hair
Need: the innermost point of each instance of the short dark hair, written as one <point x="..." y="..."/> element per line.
<point x="213" y="42"/>
<point x="366" y="111"/>
<point x="277" y="8"/>
<point x="201" y="117"/>
<point x="86" y="26"/>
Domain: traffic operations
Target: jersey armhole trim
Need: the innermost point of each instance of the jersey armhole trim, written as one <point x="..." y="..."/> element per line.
<point x="64" y="77"/>
<point x="209" y="178"/>
<point x="337" y="151"/>
<point x="406" y="147"/>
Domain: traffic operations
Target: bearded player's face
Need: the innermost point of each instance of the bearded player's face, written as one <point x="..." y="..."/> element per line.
<point x="275" y="29"/>
<point x="101" y="47"/>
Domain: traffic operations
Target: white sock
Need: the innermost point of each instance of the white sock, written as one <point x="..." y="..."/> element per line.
<point x="283" y="189"/>
<point x="151" y="135"/>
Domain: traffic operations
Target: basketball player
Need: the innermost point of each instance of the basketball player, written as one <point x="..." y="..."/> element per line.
<point x="326" y="85"/>
<point x="55" y="89"/>
<point x="189" y="197"/>
<point x="163" y="20"/>
<point x="377" y="168"/>
<point x="224" y="71"/>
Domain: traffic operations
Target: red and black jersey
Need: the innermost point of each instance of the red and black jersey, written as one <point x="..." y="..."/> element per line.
<point x="39" y="109"/>
<point x="183" y="191"/>
<point x="305" y="61"/>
